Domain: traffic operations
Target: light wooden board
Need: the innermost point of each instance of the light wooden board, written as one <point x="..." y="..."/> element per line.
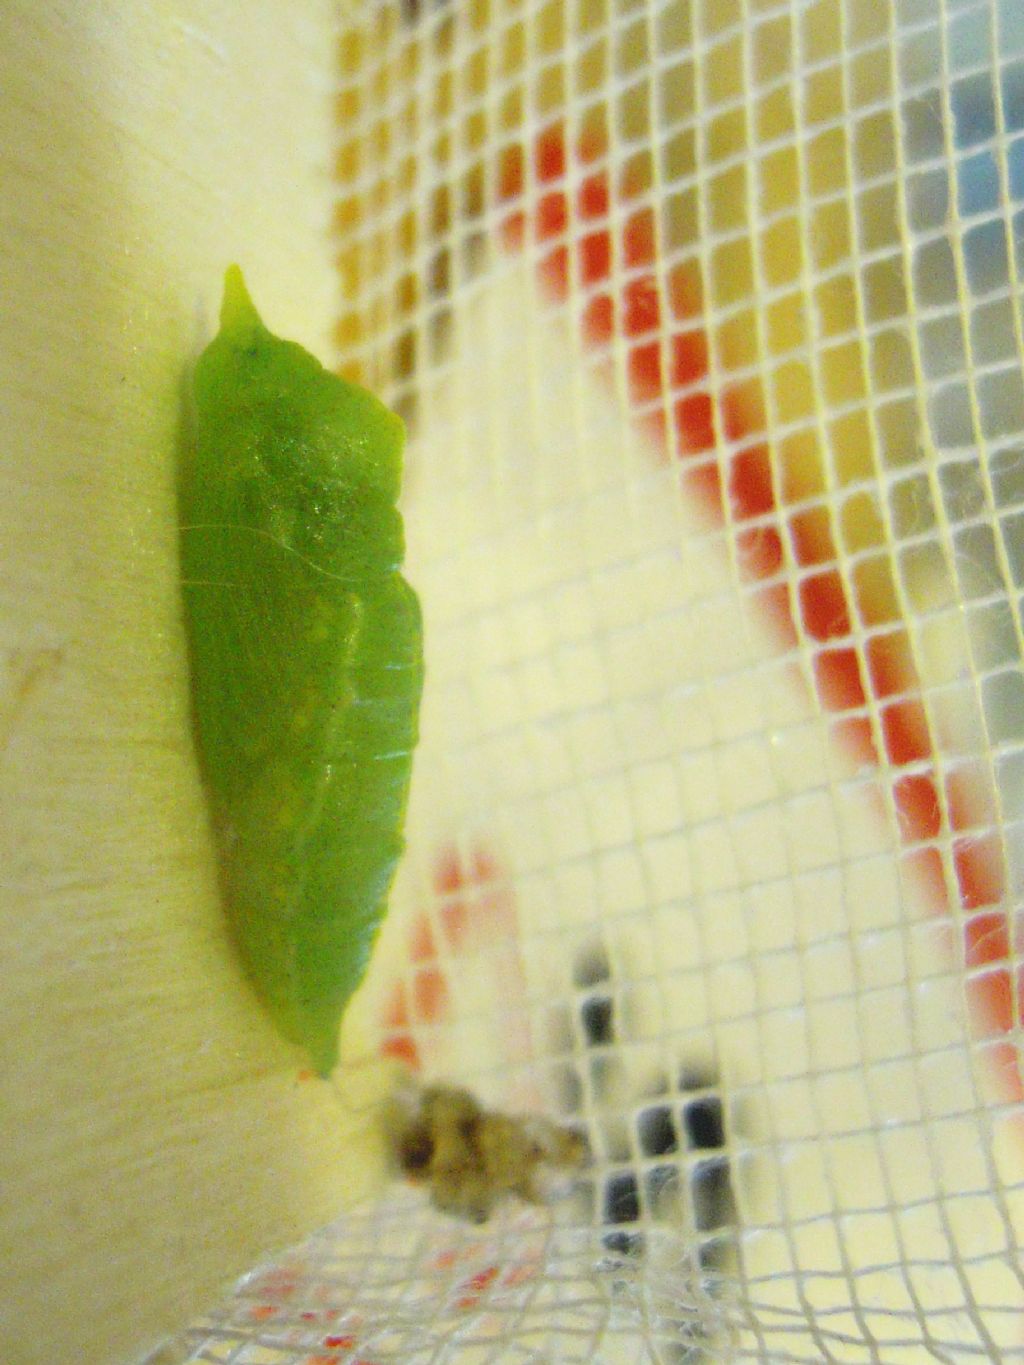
<point x="157" y="1137"/>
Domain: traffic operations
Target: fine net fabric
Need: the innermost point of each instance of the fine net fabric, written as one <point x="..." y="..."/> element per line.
<point x="705" y="316"/>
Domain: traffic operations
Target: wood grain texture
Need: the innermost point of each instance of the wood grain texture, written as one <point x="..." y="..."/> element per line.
<point x="158" y="1137"/>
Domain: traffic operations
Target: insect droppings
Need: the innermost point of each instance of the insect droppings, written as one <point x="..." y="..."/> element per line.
<point x="472" y="1158"/>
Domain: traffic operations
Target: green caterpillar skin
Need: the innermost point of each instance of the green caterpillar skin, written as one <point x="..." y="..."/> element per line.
<point x="307" y="661"/>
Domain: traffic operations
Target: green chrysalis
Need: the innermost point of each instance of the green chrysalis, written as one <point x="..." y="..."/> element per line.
<point x="307" y="662"/>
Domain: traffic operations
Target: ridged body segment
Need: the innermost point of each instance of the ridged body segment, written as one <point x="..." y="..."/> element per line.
<point x="307" y="664"/>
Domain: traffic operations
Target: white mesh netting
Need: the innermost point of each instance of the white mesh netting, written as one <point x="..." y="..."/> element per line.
<point x="706" y="319"/>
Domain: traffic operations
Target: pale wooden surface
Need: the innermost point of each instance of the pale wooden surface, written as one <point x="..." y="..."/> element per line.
<point x="157" y="1137"/>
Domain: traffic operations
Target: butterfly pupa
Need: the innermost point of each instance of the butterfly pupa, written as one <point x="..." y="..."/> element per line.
<point x="306" y="659"/>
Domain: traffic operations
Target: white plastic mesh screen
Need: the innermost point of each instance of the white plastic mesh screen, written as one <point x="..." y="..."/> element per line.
<point x="706" y="319"/>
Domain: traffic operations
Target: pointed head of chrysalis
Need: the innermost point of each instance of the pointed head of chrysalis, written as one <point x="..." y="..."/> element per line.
<point x="306" y="655"/>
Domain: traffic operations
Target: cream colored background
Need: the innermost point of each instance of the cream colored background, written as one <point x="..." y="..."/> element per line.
<point x="155" y="1137"/>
